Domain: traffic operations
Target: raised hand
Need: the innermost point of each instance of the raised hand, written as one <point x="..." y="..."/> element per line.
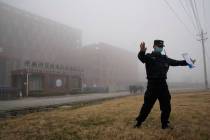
<point x="142" y="47"/>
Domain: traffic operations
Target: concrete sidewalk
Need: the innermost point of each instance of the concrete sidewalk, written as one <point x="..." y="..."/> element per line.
<point x="36" y="102"/>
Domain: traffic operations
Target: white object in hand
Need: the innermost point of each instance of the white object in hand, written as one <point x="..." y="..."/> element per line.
<point x="188" y="60"/>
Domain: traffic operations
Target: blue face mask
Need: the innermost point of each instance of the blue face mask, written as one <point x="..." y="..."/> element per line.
<point x="158" y="49"/>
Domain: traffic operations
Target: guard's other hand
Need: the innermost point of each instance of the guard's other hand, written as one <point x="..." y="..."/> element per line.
<point x="142" y="47"/>
<point x="193" y="60"/>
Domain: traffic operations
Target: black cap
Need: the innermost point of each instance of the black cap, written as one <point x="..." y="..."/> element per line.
<point x="159" y="43"/>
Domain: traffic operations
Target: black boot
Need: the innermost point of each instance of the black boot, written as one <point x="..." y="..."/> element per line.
<point x="137" y="125"/>
<point x="167" y="126"/>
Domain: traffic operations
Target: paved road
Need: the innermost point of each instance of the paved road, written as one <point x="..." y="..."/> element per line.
<point x="58" y="100"/>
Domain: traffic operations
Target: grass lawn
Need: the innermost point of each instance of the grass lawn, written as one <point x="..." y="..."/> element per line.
<point x="113" y="120"/>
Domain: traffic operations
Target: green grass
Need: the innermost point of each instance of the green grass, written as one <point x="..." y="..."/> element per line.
<point x="113" y="120"/>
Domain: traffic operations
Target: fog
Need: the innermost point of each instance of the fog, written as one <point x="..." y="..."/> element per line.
<point x="125" y="24"/>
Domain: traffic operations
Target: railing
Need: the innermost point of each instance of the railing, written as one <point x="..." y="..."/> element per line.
<point x="9" y="93"/>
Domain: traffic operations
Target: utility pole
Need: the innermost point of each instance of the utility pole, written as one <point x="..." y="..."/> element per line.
<point x="204" y="57"/>
<point x="27" y="81"/>
<point x="27" y="77"/>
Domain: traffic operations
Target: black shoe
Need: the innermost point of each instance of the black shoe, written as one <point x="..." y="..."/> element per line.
<point x="167" y="126"/>
<point x="137" y="125"/>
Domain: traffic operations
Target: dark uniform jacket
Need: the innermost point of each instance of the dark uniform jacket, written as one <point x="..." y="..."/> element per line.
<point x="157" y="65"/>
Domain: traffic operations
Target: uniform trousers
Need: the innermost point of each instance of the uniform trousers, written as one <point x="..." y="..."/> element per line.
<point x="156" y="89"/>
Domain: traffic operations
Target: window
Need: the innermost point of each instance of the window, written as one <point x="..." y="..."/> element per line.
<point x="40" y="65"/>
<point x="34" y="64"/>
<point x="57" y="66"/>
<point x="46" y="65"/>
<point x="1" y="49"/>
<point x="51" y="66"/>
<point x="66" y="68"/>
<point x="61" y="67"/>
<point x="36" y="83"/>
<point x="27" y="63"/>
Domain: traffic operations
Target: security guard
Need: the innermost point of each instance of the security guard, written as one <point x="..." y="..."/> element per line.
<point x="157" y="66"/>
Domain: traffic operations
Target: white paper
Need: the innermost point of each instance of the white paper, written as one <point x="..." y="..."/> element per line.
<point x="188" y="60"/>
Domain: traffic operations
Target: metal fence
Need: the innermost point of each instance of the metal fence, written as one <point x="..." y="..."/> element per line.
<point x="9" y="93"/>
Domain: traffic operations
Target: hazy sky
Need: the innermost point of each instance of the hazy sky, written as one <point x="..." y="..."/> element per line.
<point x="124" y="23"/>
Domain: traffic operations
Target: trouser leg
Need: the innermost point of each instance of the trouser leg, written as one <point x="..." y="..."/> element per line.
<point x="149" y="100"/>
<point x="165" y="106"/>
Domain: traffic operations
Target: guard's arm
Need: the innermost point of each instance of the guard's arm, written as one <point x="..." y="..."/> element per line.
<point x="143" y="57"/>
<point x="173" y="62"/>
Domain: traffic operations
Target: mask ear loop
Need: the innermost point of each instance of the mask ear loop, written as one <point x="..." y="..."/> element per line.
<point x="164" y="51"/>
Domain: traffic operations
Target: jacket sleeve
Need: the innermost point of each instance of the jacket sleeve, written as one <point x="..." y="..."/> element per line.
<point x="144" y="58"/>
<point x="173" y="62"/>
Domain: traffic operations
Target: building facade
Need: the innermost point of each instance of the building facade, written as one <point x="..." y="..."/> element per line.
<point x="37" y="54"/>
<point x="41" y="56"/>
<point x="108" y="66"/>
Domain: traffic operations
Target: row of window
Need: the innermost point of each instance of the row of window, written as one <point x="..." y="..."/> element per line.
<point x="49" y="66"/>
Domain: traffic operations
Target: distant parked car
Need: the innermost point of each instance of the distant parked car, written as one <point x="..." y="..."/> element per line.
<point x="136" y="88"/>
